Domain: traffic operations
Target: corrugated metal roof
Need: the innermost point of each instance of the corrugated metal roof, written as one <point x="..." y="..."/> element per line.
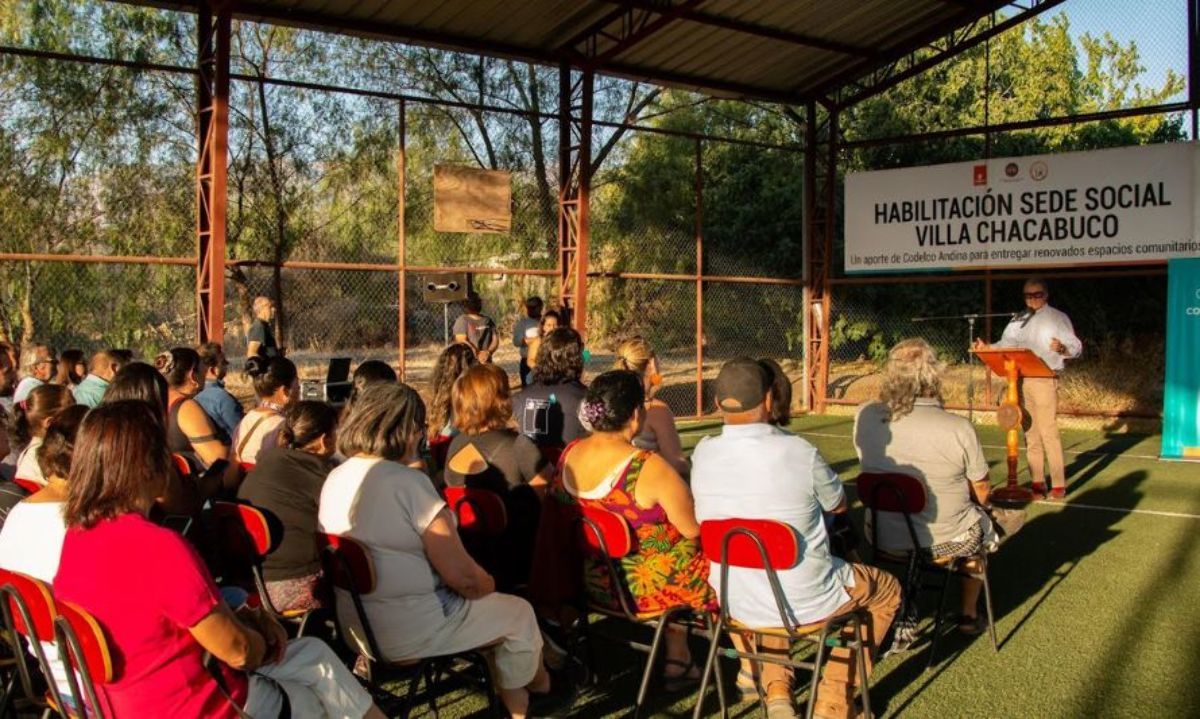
<point x="779" y="50"/>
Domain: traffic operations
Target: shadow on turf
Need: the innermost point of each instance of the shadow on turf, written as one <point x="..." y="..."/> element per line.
<point x="1032" y="563"/>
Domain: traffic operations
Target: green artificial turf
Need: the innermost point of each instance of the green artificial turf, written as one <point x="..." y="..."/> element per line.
<point x="1098" y="608"/>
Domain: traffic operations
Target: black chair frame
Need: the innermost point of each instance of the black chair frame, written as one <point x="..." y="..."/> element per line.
<point x="9" y="596"/>
<point x="828" y="636"/>
<point x="427" y="670"/>
<point x="920" y="559"/>
<point x="694" y="622"/>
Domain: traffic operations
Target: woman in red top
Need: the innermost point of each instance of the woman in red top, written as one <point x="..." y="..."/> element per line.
<point x="158" y="605"/>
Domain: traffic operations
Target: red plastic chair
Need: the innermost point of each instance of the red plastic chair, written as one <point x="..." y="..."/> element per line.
<point x="350" y="568"/>
<point x="905" y="495"/>
<point x="29" y="612"/>
<point x="246" y="534"/>
<point x="28" y="485"/>
<point x="608" y="538"/>
<point x="477" y="510"/>
<point x="85" y="653"/>
<point x="772" y="546"/>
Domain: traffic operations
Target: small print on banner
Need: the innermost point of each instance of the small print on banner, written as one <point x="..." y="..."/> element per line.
<point x="1117" y="206"/>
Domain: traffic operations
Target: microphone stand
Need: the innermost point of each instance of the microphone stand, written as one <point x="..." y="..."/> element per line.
<point x="970" y="318"/>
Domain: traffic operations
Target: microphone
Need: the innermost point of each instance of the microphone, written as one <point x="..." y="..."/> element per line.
<point x="1022" y="316"/>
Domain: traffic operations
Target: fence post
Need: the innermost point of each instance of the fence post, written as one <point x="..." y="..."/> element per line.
<point x="212" y="130"/>
<point x="820" y="197"/>
<point x="575" y="179"/>
<point x="699" y="277"/>
<point x="401" y="180"/>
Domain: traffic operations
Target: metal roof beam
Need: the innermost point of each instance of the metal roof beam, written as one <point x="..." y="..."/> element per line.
<point x="601" y="42"/>
<point x="897" y="54"/>
<point x="897" y="72"/>
<point x="763" y="31"/>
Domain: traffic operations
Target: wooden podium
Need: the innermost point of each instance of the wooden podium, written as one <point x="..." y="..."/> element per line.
<point x="1012" y="364"/>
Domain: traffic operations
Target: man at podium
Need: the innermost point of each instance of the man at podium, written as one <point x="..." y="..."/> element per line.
<point x="1048" y="333"/>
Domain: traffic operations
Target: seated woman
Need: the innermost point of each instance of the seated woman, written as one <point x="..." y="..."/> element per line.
<point x="431" y="598"/>
<point x="549" y="322"/>
<point x="277" y="385"/>
<point x="488" y="454"/>
<point x="139" y="381"/>
<point x="606" y="470"/>
<point x="158" y="605"/>
<point x="72" y="368"/>
<point x="547" y="411"/>
<point x="33" y="416"/>
<point x="658" y="432"/>
<point x="907" y="431"/>
<point x="451" y="363"/>
<point x="287" y="482"/>
<point x="781" y="393"/>
<point x="32" y="536"/>
<point x="189" y="430"/>
<point x="365" y="374"/>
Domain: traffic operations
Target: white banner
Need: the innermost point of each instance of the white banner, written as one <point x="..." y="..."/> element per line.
<point x="1130" y="204"/>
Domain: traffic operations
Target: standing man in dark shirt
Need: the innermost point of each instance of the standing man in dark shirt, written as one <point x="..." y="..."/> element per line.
<point x="477" y="329"/>
<point x="261" y="338"/>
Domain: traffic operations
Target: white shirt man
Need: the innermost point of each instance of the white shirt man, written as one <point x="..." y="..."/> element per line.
<point x="753" y="470"/>
<point x="1048" y="333"/>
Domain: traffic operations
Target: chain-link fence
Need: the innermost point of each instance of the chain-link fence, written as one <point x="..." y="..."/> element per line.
<point x="696" y="242"/>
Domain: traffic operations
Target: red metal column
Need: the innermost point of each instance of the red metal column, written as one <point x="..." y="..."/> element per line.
<point x="575" y="176"/>
<point x="820" y="197"/>
<point x="699" y="278"/>
<point x="212" y="99"/>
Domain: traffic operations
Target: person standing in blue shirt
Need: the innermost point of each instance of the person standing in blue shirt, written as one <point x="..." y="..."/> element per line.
<point x="221" y="407"/>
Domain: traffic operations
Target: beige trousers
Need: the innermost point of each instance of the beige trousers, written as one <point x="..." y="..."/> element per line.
<point x="874" y="590"/>
<point x="1039" y="397"/>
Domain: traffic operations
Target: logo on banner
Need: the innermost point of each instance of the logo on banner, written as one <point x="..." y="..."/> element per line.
<point x="980" y="176"/>
<point x="1038" y="171"/>
<point x="1011" y="170"/>
<point x="1193" y="311"/>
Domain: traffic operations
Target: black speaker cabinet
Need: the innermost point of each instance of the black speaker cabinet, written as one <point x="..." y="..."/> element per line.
<point x="445" y="287"/>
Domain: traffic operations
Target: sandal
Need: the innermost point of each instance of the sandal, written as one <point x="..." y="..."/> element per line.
<point x="685" y="679"/>
<point x="747" y="687"/>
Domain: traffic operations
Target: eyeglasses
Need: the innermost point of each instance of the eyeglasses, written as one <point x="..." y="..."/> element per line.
<point x="1035" y="295"/>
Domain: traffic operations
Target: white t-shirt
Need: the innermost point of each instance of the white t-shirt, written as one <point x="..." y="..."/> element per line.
<point x="388" y="507"/>
<point x="27" y="464"/>
<point x="31" y="543"/>
<point x="265" y="435"/>
<point x="756" y="471"/>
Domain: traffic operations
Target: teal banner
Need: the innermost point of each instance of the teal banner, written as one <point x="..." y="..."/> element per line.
<point x="1181" y="393"/>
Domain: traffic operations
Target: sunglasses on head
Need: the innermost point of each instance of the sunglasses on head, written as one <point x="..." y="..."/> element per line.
<point x="1035" y="295"/>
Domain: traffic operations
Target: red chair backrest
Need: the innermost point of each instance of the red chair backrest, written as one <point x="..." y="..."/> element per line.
<point x="780" y="542"/>
<point x="246" y="467"/>
<point x="96" y="658"/>
<point x="604" y="530"/>
<point x="477" y="510"/>
<point x="27" y="484"/>
<point x="356" y="571"/>
<point x="242" y="530"/>
<point x="890" y="492"/>
<point x="182" y="465"/>
<point x="38" y="600"/>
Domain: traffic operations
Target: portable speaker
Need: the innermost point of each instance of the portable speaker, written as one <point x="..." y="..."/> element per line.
<point x="445" y="287"/>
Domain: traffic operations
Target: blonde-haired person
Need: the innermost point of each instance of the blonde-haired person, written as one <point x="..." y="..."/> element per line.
<point x="908" y="432"/>
<point x="658" y="431"/>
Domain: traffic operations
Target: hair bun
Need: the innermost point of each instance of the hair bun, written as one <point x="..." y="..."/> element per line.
<point x="164" y="362"/>
<point x="256" y="366"/>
